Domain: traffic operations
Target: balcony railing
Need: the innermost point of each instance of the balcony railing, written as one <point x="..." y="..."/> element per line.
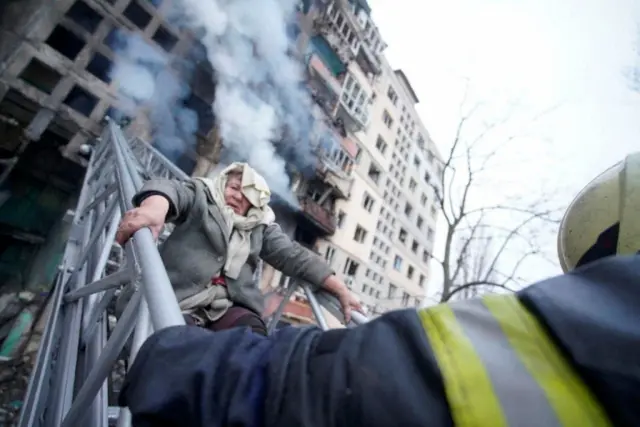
<point x="322" y="217"/>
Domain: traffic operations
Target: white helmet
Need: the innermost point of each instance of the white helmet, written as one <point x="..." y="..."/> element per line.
<point x="604" y="218"/>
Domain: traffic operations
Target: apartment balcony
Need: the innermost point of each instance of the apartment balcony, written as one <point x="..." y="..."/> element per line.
<point x="355" y="116"/>
<point x="321" y="217"/>
<point x="325" y="88"/>
<point x="335" y="165"/>
<point x="338" y="44"/>
<point x="368" y="61"/>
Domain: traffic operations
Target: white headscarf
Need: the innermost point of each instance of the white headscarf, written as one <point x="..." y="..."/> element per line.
<point x="255" y="189"/>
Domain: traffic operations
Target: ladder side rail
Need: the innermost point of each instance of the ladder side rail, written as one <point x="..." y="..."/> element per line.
<point x="103" y="366"/>
<point x="156" y="155"/>
<point x="315" y="307"/>
<point x="160" y="297"/>
<point x="48" y="369"/>
<point x="332" y="305"/>
<point x="141" y="333"/>
<point x="94" y="344"/>
<point x="277" y="315"/>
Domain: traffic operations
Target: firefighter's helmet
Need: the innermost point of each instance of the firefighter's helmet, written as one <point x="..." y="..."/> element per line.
<point x="604" y="218"/>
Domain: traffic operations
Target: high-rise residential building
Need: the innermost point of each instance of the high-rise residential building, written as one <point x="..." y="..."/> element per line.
<point x="385" y="226"/>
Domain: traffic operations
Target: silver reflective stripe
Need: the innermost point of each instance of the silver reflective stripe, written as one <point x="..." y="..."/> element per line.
<point x="523" y="402"/>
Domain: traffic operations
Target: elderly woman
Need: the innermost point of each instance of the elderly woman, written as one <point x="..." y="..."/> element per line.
<point x="222" y="227"/>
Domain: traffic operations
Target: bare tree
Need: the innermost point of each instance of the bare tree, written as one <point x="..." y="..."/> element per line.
<point x="479" y="242"/>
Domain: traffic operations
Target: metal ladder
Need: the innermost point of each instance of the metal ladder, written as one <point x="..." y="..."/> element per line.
<point x="78" y="350"/>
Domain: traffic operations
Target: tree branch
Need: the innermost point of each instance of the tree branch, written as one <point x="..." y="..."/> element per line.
<point x="447" y="297"/>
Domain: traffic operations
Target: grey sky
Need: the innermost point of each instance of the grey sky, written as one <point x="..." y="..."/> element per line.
<point x="544" y="52"/>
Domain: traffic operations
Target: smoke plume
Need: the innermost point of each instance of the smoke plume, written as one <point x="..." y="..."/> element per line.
<point x="147" y="82"/>
<point x="261" y="106"/>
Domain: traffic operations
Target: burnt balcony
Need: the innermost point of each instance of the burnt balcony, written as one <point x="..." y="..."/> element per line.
<point x="322" y="218"/>
<point x="324" y="87"/>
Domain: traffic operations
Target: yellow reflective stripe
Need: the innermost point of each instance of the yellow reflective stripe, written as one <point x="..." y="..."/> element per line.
<point x="470" y="394"/>
<point x="568" y="396"/>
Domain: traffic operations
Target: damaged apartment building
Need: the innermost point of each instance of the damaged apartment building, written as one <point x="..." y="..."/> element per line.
<point x="55" y="91"/>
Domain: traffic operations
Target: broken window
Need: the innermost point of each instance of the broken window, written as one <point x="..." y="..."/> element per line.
<point x="137" y="15"/>
<point x="81" y="100"/>
<point x="40" y="75"/>
<point x="116" y="39"/>
<point x="85" y="16"/>
<point x="203" y="110"/>
<point x="100" y="66"/>
<point x="65" y="42"/>
<point x="164" y="38"/>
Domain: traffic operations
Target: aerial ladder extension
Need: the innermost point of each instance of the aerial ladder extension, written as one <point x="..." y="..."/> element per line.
<point x="69" y="384"/>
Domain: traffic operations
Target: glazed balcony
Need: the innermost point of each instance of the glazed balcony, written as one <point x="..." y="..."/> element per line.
<point x="335" y="165"/>
<point x="321" y="217"/>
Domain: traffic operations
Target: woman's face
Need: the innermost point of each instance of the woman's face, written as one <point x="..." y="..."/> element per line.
<point x="233" y="196"/>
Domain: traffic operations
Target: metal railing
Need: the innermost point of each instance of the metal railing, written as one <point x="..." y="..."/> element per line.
<point x="78" y="350"/>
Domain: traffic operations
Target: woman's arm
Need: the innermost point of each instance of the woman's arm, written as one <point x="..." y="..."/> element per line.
<point x="293" y="259"/>
<point x="180" y="196"/>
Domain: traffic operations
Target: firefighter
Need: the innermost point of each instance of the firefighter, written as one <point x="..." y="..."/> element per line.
<point x="562" y="352"/>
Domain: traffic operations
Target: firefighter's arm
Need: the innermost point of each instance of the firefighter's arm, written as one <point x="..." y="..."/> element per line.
<point x="189" y="376"/>
<point x="375" y="375"/>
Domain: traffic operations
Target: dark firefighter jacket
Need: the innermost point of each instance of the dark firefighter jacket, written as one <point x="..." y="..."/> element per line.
<point x="569" y="356"/>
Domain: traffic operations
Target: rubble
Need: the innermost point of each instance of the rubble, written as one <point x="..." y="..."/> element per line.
<point x="21" y="326"/>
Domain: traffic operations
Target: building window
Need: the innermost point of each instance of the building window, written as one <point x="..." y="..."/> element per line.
<point x="410" y="271"/>
<point x="434" y="211"/>
<point x="392" y="291"/>
<point x="397" y="263"/>
<point x="402" y="235"/>
<point x="360" y="235"/>
<point x="100" y="66"/>
<point x="419" y="222"/>
<point x="41" y="76"/>
<point x="405" y="299"/>
<point x="85" y="16"/>
<point x="65" y="42"/>
<point x="421" y="281"/>
<point x="423" y="199"/>
<point x="393" y="96"/>
<point x="430" y="233"/>
<point x="381" y="145"/>
<point x="374" y="173"/>
<point x="416" y="161"/>
<point x="137" y="15"/>
<point x="408" y="209"/>
<point x="425" y="256"/>
<point x="412" y="184"/>
<point x="427" y="177"/>
<point x="386" y="118"/>
<point x="81" y="100"/>
<point x="367" y="202"/>
<point x="350" y="268"/>
<point x="414" y="246"/>
<point x="329" y="254"/>
<point x="340" y="219"/>
<point x="164" y="38"/>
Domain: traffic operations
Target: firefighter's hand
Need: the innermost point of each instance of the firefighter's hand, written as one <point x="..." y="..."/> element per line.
<point x="347" y="300"/>
<point x="151" y="213"/>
